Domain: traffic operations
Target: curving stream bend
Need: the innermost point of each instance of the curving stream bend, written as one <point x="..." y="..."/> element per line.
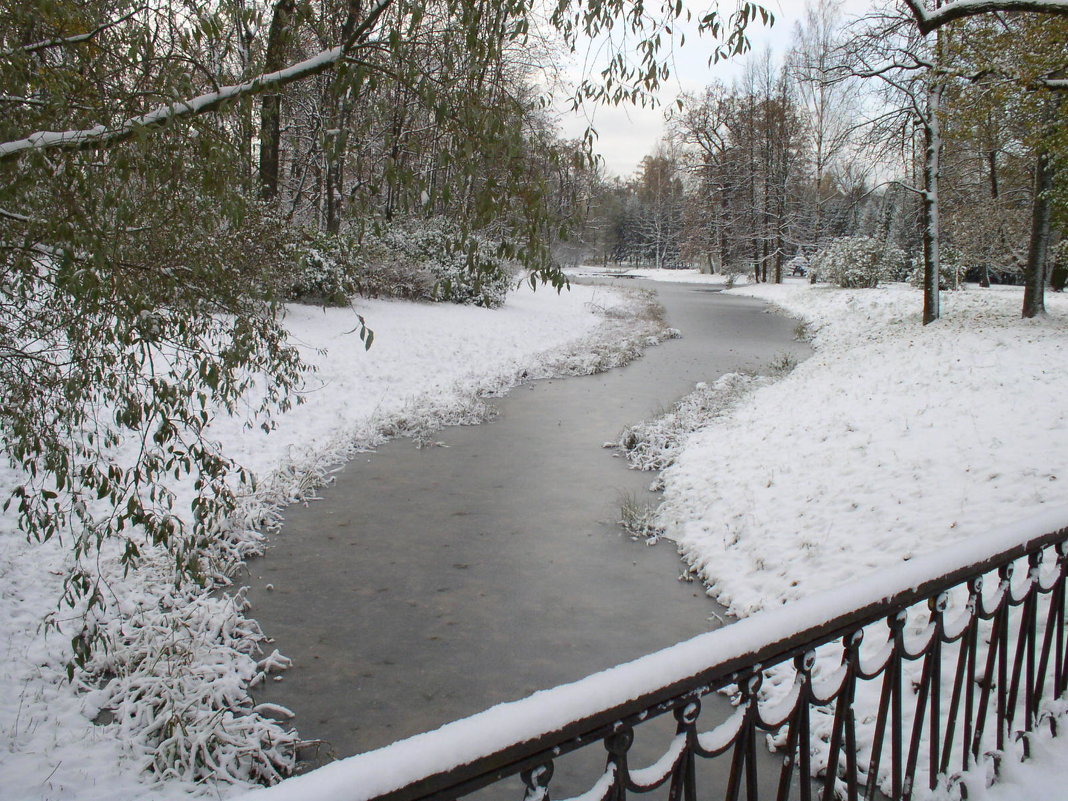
<point x="429" y="584"/>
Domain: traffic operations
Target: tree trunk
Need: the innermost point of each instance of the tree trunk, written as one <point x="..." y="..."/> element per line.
<point x="931" y="225"/>
<point x="1034" y="301"/>
<point x="334" y="190"/>
<point x="271" y="109"/>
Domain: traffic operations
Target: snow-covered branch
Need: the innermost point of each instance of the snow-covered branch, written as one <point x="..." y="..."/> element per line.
<point x="103" y="135"/>
<point x="10" y="215"/>
<point x="100" y="135"/>
<point x="930" y="20"/>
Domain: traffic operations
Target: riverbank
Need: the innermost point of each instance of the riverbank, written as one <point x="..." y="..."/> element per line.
<point x="892" y="441"/>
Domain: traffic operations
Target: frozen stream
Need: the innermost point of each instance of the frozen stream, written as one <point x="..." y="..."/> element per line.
<point x="429" y="584"/>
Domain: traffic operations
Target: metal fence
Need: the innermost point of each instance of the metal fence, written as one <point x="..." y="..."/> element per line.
<point x="900" y="682"/>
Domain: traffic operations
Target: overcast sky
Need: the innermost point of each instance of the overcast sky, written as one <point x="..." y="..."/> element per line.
<point x="627" y="134"/>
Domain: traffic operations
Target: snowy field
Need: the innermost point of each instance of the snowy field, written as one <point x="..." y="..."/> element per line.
<point x="430" y="365"/>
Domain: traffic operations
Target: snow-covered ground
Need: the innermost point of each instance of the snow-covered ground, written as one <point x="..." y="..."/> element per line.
<point x="687" y="276"/>
<point x="892" y="441"/>
<point x="429" y="366"/>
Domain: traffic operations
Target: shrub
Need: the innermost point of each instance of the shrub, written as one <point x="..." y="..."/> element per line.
<point x="951" y="270"/>
<point x="854" y="262"/>
<point x="736" y="275"/>
<point x="416" y="260"/>
<point x="466" y="268"/>
<point x="324" y="270"/>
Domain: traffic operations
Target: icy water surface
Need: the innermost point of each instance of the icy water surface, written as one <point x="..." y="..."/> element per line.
<point x="429" y="584"/>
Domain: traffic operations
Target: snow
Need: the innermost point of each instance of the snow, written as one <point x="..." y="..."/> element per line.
<point x="650" y="274"/>
<point x="430" y="365"/>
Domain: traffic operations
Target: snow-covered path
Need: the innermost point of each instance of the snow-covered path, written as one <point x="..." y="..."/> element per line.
<point x="429" y="584"/>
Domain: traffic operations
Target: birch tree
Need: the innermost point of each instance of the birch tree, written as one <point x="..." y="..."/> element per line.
<point x="885" y="47"/>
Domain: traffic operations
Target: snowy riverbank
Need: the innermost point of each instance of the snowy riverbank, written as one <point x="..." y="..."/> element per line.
<point x="892" y="441"/>
<point x="429" y="366"/>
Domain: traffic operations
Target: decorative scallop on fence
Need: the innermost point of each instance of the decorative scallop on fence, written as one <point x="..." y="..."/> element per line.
<point x="921" y="677"/>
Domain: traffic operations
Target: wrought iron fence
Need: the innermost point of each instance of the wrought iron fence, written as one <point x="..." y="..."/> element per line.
<point x="893" y="685"/>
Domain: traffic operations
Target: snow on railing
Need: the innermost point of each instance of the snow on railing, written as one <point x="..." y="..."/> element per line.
<point x="837" y="699"/>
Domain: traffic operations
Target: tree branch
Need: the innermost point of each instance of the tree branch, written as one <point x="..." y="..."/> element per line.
<point x="47" y="44"/>
<point x="928" y="21"/>
<point x="101" y="135"/>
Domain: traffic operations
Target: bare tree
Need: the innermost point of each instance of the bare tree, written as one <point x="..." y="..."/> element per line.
<point x="886" y="47"/>
<point x="828" y="99"/>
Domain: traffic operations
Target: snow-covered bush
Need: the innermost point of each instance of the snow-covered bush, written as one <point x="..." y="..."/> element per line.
<point x="466" y="268"/>
<point x="415" y="260"/>
<point x="951" y="270"/>
<point x="854" y="262"/>
<point x="324" y="270"/>
<point x="737" y="274"/>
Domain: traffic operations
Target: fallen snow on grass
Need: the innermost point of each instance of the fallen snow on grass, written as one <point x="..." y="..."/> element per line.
<point x="890" y="441"/>
<point x="655" y="444"/>
<point x="175" y="679"/>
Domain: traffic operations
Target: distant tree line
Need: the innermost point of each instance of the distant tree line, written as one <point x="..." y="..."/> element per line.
<point x="952" y="147"/>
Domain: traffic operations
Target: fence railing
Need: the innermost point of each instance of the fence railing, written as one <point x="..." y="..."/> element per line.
<point x="899" y="682"/>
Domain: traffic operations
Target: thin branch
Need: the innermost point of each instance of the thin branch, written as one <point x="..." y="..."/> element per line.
<point x="47" y="44"/>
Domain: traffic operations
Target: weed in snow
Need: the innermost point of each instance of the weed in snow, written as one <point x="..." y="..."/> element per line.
<point x="655" y="444"/>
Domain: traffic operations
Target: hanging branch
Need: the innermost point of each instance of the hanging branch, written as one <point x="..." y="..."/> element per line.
<point x="103" y="135"/>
